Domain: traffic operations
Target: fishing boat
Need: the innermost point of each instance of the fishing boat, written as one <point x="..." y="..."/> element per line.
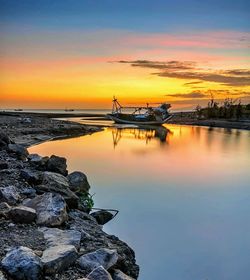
<point x="69" y="110"/>
<point x="147" y="115"/>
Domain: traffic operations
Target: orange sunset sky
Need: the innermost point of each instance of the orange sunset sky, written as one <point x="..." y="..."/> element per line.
<point x="79" y="54"/>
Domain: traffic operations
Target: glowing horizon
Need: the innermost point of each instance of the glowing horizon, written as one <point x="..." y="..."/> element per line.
<point x="78" y="64"/>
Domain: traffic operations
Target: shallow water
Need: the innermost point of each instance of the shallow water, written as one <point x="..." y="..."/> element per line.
<point x="183" y="195"/>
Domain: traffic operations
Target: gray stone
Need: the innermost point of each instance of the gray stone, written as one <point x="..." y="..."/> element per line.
<point x="58" y="258"/>
<point x="55" y="237"/>
<point x="99" y="273"/>
<point x="102" y="216"/>
<point x="22" y="214"/>
<point x="4" y="209"/>
<point x="4" y="139"/>
<point x="22" y="264"/>
<point x="29" y="192"/>
<point x="57" y="164"/>
<point x="50" y="209"/>
<point x="78" y="182"/>
<point x="53" y="182"/>
<point x="34" y="158"/>
<point x="32" y="177"/>
<point x="20" y="150"/>
<point x="102" y="257"/>
<point x="2" y="277"/>
<point x="9" y="194"/>
<point x="3" y="165"/>
<point x="119" y="275"/>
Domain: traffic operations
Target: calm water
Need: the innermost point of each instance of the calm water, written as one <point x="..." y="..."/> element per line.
<point x="183" y="196"/>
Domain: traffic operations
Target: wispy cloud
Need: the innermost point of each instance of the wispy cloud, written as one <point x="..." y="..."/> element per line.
<point x="198" y="94"/>
<point x="188" y="95"/>
<point x="188" y="70"/>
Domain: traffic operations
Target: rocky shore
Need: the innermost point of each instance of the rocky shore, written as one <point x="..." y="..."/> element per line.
<point x="188" y="119"/>
<point x="47" y="228"/>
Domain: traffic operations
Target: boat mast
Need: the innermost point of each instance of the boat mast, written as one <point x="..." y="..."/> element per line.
<point x="116" y="107"/>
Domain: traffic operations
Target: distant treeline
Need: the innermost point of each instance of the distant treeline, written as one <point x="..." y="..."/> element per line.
<point x="228" y="109"/>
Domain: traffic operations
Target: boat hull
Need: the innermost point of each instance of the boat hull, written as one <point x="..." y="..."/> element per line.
<point x="137" y="122"/>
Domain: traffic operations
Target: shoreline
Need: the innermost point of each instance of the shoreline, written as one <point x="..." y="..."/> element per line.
<point x="178" y="119"/>
<point x="46" y="222"/>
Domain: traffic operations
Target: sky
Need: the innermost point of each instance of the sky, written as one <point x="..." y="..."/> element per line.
<point x="80" y="53"/>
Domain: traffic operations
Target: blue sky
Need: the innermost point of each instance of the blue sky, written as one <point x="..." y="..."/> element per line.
<point x="148" y="16"/>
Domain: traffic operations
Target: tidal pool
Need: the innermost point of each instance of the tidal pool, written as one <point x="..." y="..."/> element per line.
<point x="183" y="194"/>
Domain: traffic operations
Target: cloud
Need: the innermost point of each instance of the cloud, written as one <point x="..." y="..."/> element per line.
<point x="188" y="95"/>
<point x="188" y="70"/>
<point x="192" y="83"/>
<point x="168" y="65"/>
<point x="206" y="94"/>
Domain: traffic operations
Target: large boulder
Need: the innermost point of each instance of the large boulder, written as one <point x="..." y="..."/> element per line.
<point x="102" y="216"/>
<point x="19" y="150"/>
<point x="31" y="176"/>
<point x="38" y="161"/>
<point x="53" y="182"/>
<point x="50" y="209"/>
<point x="55" y="237"/>
<point x="102" y="257"/>
<point x="57" y="164"/>
<point x="9" y="194"/>
<point x="22" y="263"/>
<point x="22" y="214"/>
<point x="119" y="275"/>
<point x="58" y="258"/>
<point x="78" y="182"/>
<point x="99" y="273"/>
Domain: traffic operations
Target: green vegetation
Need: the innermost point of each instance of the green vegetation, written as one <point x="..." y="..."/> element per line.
<point x="86" y="200"/>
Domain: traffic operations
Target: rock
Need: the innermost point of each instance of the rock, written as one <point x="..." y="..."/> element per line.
<point x="55" y="237"/>
<point x="78" y="182"/>
<point x="50" y="209"/>
<point x="22" y="264"/>
<point x="20" y="150"/>
<point x="102" y="257"/>
<point x="34" y="158"/>
<point x="4" y="209"/>
<point x="29" y="192"/>
<point x="99" y="273"/>
<point x="119" y="275"/>
<point x="57" y="164"/>
<point x="4" y="139"/>
<point x="32" y="177"/>
<point x="102" y="216"/>
<point x="58" y="258"/>
<point x="2" y="277"/>
<point x="26" y="120"/>
<point x="38" y="253"/>
<point x="22" y="214"/>
<point x="9" y="194"/>
<point x="3" y="165"/>
<point x="38" y="161"/>
<point x="53" y="182"/>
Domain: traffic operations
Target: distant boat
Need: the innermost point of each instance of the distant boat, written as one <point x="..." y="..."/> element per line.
<point x="69" y="110"/>
<point x="18" y="110"/>
<point x="151" y="116"/>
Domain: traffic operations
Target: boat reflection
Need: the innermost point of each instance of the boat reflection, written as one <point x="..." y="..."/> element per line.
<point x="145" y="134"/>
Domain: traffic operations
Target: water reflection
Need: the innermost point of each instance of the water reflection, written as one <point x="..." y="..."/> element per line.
<point x="183" y="195"/>
<point x="145" y="134"/>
